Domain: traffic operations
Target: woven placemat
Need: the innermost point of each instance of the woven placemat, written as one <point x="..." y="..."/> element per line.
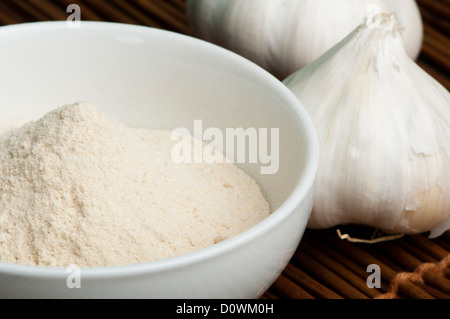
<point x="328" y="267"/>
<point x="324" y="266"/>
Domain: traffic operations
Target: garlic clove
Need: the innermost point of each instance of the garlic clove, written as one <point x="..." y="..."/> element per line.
<point x="384" y="131"/>
<point x="440" y="229"/>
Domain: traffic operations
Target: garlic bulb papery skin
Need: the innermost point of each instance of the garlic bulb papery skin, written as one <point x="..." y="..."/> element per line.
<point x="384" y="132"/>
<point x="283" y="36"/>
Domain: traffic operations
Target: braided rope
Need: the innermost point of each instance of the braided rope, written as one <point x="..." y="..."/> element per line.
<point x="416" y="276"/>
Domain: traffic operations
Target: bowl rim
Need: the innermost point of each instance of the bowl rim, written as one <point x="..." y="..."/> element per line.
<point x="301" y="190"/>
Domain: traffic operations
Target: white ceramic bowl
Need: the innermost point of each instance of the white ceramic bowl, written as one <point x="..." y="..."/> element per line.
<point x="157" y="79"/>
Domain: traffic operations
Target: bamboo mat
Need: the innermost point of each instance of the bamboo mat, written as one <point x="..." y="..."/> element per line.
<point x="324" y="266"/>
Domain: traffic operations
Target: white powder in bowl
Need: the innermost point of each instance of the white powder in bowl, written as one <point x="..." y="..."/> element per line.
<point x="78" y="188"/>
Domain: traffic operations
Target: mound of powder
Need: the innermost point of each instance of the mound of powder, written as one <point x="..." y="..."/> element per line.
<point x="79" y="188"/>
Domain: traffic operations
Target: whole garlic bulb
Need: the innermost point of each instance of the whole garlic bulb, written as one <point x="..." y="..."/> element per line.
<point x="283" y="36"/>
<point x="384" y="132"/>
